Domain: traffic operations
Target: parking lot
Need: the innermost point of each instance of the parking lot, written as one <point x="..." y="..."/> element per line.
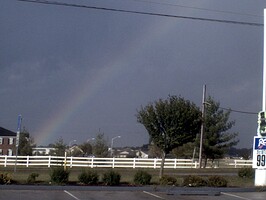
<point x="110" y="193"/>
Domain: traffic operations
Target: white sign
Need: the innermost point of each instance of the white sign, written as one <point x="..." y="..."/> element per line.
<point x="17" y="139"/>
<point x="259" y="153"/>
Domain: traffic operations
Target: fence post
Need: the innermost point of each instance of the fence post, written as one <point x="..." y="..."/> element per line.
<point x="134" y="163"/>
<point x="113" y="162"/>
<point x="154" y="165"/>
<point x="65" y="161"/>
<point x="175" y="163"/>
<point x="196" y="164"/>
<point x="235" y="163"/>
<point x="49" y="161"/>
<point x="5" y="160"/>
<point x="28" y="157"/>
<point x="91" y="162"/>
<point x="71" y="160"/>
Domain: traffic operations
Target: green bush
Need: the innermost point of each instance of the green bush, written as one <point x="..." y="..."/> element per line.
<point x="168" y="180"/>
<point x="217" y="181"/>
<point x="89" y="177"/>
<point x="194" y="181"/>
<point x="246" y="172"/>
<point x="111" y="178"/>
<point x="142" y="178"/>
<point x="5" y="178"/>
<point x="59" y="175"/>
<point x="32" y="177"/>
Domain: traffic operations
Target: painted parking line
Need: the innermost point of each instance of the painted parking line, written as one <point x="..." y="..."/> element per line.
<point x="71" y="195"/>
<point x="232" y="195"/>
<point x="154" y="195"/>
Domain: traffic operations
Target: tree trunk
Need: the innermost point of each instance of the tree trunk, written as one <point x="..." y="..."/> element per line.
<point x="205" y="162"/>
<point x="162" y="165"/>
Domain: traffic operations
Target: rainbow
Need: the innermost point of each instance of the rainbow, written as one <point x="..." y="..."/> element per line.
<point x="63" y="114"/>
<point x="155" y="32"/>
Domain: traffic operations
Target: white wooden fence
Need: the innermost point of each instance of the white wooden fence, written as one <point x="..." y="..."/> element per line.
<point x="241" y="163"/>
<point x="49" y="161"/>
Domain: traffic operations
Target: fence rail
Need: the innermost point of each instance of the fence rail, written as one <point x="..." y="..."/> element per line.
<point x="154" y="163"/>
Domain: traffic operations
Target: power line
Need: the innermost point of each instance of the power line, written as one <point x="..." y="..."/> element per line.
<point x="198" y="8"/>
<point x="141" y="12"/>
<point x="239" y="111"/>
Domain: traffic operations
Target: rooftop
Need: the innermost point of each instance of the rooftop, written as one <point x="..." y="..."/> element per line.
<point x="5" y="132"/>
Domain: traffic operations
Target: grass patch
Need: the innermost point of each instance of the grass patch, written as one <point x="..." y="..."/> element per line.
<point x="127" y="175"/>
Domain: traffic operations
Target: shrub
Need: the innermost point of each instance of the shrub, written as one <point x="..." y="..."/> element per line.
<point x="217" y="181"/>
<point x="142" y="178"/>
<point x="5" y="178"/>
<point x="32" y="177"/>
<point x="111" y="178"/>
<point x="194" y="181"/>
<point x="246" y="172"/>
<point x="59" y="175"/>
<point x="168" y="180"/>
<point x="88" y="177"/>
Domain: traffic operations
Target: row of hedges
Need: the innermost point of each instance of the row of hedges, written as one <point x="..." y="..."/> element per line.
<point x="111" y="178"/>
<point x="212" y="181"/>
<point x="90" y="177"/>
<point x="60" y="176"/>
<point x="216" y="181"/>
<point x="5" y="178"/>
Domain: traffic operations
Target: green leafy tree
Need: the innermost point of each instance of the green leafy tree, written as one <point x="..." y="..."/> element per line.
<point x="186" y="151"/>
<point x="26" y="143"/>
<point x="86" y="147"/>
<point x="154" y="151"/>
<point x="217" y="140"/>
<point x="170" y="123"/>
<point x="245" y="153"/>
<point x="100" y="147"/>
<point x="59" y="148"/>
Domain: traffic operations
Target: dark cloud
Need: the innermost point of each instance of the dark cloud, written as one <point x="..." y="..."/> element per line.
<point x="99" y="67"/>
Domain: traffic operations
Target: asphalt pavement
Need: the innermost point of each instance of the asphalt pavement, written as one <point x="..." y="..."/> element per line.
<point x="27" y="192"/>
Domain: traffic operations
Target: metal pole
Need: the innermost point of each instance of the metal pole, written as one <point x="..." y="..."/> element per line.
<point x="17" y="140"/>
<point x="202" y="125"/>
<point x="264" y="66"/>
<point x="260" y="174"/>
<point x="112" y="143"/>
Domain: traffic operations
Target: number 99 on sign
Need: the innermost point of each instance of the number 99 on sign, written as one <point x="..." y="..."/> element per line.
<point x="261" y="160"/>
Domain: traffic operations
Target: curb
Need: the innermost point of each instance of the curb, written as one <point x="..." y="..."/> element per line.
<point x="170" y="190"/>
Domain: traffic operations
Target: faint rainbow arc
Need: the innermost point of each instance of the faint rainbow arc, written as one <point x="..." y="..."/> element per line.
<point x="90" y="87"/>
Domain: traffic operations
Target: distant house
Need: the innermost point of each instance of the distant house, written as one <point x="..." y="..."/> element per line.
<point x="75" y="150"/>
<point x="142" y="154"/>
<point x="42" y="151"/>
<point x="126" y="154"/>
<point x="129" y="153"/>
<point x="7" y="142"/>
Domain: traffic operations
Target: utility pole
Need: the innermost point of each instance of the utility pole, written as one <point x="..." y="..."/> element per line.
<point x="202" y="125"/>
<point x="264" y="66"/>
<point x="17" y="140"/>
<point x="112" y="144"/>
<point x="260" y="173"/>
